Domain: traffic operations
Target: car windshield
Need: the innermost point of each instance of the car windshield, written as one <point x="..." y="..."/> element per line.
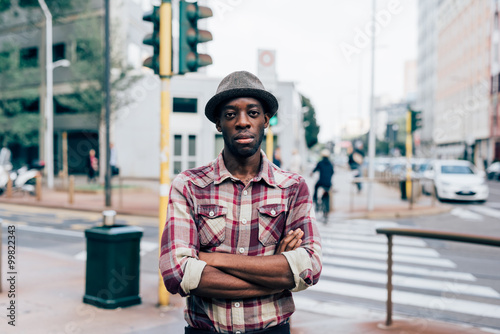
<point x="454" y="169"/>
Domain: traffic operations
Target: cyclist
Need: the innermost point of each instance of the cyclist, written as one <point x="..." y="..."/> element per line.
<point x="325" y="169"/>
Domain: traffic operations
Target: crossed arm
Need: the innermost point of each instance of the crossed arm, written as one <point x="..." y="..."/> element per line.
<point x="238" y="276"/>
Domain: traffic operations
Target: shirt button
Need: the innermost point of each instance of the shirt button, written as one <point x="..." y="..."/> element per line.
<point x="242" y="250"/>
<point x="243" y="221"/>
<point x="237" y="332"/>
<point x="211" y="213"/>
<point x="245" y="192"/>
<point x="236" y="304"/>
<point x="273" y="212"/>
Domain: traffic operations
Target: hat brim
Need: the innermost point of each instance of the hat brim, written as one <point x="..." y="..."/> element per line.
<point x="269" y="100"/>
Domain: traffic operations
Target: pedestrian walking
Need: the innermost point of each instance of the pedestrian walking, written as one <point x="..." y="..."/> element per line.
<point x="277" y="156"/>
<point x="326" y="171"/>
<point x="356" y="162"/>
<point x="240" y="234"/>
<point x="92" y="166"/>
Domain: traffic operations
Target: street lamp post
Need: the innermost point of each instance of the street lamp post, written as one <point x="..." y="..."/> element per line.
<point x="371" y="135"/>
<point x="49" y="112"/>
<point x="49" y="99"/>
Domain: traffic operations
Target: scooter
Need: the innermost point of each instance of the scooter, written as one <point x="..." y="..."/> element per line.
<point x="23" y="179"/>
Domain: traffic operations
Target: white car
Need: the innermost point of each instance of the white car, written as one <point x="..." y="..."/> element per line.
<point x="456" y="180"/>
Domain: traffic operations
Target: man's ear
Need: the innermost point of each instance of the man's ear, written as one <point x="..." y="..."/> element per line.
<point x="267" y="118"/>
<point x="217" y="125"/>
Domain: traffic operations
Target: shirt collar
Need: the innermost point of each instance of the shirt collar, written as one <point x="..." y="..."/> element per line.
<point x="266" y="171"/>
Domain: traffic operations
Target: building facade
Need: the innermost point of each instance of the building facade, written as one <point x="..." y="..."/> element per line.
<point x="426" y="72"/>
<point x="77" y="36"/>
<point x="462" y="95"/>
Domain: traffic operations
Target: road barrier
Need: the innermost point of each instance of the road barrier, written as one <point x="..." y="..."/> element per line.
<point x="429" y="234"/>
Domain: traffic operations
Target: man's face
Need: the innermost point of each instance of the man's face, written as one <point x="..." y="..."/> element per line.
<point x="242" y="122"/>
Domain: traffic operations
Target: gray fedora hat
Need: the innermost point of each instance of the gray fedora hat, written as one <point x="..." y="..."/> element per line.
<point x="241" y="84"/>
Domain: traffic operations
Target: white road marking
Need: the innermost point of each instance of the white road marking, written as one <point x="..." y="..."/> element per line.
<point x="409" y="298"/>
<point x="486" y="211"/>
<point x="380" y="248"/>
<point x="399" y="268"/>
<point x="396" y="257"/>
<point x="410" y="282"/>
<point x="378" y="238"/>
<point x="465" y="214"/>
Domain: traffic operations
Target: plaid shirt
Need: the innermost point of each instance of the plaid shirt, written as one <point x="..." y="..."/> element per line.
<point x="210" y="210"/>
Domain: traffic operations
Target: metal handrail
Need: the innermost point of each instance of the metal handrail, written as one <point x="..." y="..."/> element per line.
<point x="429" y="234"/>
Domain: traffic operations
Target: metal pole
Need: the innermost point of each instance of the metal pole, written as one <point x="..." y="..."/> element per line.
<point x="49" y="111"/>
<point x="107" y="177"/>
<point x="388" y="320"/>
<point x="269" y="143"/>
<point x="371" y="136"/>
<point x="165" y="75"/>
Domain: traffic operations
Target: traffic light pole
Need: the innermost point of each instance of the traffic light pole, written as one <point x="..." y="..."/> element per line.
<point x="269" y="143"/>
<point x="165" y="60"/>
<point x="409" y="152"/>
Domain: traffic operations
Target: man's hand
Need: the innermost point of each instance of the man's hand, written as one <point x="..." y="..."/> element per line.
<point x="290" y="242"/>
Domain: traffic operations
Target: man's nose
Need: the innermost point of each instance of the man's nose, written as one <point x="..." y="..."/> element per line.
<point x="243" y="120"/>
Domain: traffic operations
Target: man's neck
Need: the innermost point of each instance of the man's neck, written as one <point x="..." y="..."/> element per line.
<point x="244" y="169"/>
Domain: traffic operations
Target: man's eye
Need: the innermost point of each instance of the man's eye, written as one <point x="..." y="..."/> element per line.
<point x="229" y="115"/>
<point x="253" y="112"/>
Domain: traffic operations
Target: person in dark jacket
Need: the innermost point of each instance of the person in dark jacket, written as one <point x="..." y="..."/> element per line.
<point x="325" y="169"/>
<point x="356" y="161"/>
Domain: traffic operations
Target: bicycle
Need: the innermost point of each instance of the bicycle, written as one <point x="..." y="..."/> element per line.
<point x="323" y="205"/>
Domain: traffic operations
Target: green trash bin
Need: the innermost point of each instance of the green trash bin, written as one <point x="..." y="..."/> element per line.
<point x="113" y="266"/>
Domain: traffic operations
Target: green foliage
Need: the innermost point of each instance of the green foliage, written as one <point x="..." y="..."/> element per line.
<point x="18" y="126"/>
<point x="310" y="125"/>
<point x="4" y="5"/>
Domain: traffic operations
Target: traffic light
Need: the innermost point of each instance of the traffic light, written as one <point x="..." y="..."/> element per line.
<point x="274" y="120"/>
<point x="190" y="36"/>
<point x="153" y="39"/>
<point x="416" y="120"/>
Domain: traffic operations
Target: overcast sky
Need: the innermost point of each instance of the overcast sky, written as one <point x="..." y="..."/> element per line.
<point x="321" y="45"/>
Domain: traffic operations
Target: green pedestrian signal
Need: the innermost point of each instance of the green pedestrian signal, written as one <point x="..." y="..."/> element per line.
<point x="153" y="39"/>
<point x="190" y="36"/>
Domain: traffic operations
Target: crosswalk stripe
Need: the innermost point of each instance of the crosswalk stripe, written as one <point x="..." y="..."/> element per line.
<point x="398" y="268"/>
<point x="465" y="214"/>
<point x="438" y="262"/>
<point x="380" y="248"/>
<point x="50" y="230"/>
<point x="410" y="282"/>
<point x="486" y="211"/>
<point x="409" y="298"/>
<point x="380" y="239"/>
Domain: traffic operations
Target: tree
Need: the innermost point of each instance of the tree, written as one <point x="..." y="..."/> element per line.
<point x="310" y="125"/>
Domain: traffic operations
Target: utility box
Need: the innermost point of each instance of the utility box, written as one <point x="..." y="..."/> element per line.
<point x="113" y="266"/>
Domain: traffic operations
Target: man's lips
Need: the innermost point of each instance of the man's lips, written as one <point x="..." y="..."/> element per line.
<point x="244" y="139"/>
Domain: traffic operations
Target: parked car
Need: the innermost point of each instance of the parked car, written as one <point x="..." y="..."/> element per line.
<point x="456" y="180"/>
<point x="493" y="171"/>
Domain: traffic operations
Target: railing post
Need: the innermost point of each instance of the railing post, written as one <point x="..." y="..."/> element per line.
<point x="388" y="320"/>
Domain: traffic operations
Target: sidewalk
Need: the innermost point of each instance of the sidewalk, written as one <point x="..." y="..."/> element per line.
<point x="50" y="301"/>
<point x="141" y="197"/>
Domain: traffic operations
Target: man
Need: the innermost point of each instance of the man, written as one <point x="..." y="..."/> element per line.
<point x="325" y="169"/>
<point x="356" y="161"/>
<point x="240" y="234"/>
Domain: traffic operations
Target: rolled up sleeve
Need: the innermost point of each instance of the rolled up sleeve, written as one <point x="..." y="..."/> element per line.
<point x="180" y="266"/>
<point x="305" y="261"/>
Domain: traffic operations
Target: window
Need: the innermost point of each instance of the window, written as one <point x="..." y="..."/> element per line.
<point x="58" y="51"/>
<point x="28" y="57"/>
<point x="185" y="105"/>
<point x="184" y="153"/>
